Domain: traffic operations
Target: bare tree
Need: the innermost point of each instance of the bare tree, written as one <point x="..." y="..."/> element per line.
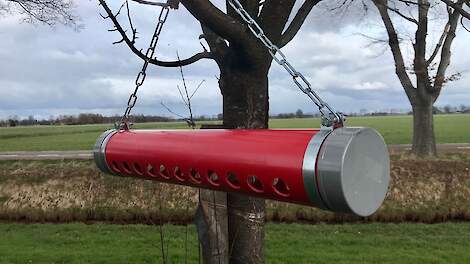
<point x="244" y="64"/>
<point x="45" y="12"/>
<point x="461" y="9"/>
<point x="429" y="65"/>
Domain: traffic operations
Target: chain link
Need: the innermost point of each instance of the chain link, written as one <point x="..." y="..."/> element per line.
<point x="330" y="118"/>
<point x="140" y="79"/>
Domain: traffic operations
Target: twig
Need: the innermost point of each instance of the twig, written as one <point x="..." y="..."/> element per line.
<point x="188" y="99"/>
<point x="216" y="225"/>
<point x="134" y="31"/>
<point x="171" y="111"/>
<point x="144" y="2"/>
<point x="196" y="57"/>
<point x="185" y="98"/>
<point x="162" y="236"/>
<point x="199" y="86"/>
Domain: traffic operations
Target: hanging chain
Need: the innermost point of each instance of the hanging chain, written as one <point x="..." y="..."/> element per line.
<point x="139" y="81"/>
<point x="329" y="117"/>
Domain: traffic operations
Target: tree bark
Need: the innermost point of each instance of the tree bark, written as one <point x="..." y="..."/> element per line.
<point x="244" y="86"/>
<point x="424" y="142"/>
<point x="212" y="226"/>
<point x="245" y="105"/>
<point x="245" y="97"/>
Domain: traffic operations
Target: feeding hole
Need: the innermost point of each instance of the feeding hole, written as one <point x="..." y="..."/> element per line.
<point x="115" y="166"/>
<point x="126" y="167"/>
<point x="232" y="180"/>
<point x="163" y="172"/>
<point x="178" y="173"/>
<point x="151" y="170"/>
<point x="280" y="187"/>
<point x="255" y="184"/>
<point x="213" y="178"/>
<point x="138" y="169"/>
<point x="195" y="176"/>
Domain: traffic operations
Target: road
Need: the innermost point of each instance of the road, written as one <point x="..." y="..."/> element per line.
<point x="441" y="148"/>
<point x="88" y="155"/>
<point x="47" y="155"/>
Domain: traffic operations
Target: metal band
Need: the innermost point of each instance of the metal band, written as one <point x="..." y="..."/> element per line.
<point x="309" y="168"/>
<point x="99" y="151"/>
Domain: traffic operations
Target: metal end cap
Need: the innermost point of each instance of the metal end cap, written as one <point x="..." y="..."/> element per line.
<point x="353" y="171"/>
<point x="99" y="151"/>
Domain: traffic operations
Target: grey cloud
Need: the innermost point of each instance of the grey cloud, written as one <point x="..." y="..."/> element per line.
<point x="46" y="71"/>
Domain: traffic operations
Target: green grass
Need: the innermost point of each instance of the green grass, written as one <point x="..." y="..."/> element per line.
<point x="295" y="243"/>
<point x="395" y="129"/>
<point x="42" y="138"/>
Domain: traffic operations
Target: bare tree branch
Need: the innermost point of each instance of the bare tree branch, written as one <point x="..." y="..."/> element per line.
<point x="394" y="44"/>
<point x="144" y="2"/>
<point x="458" y="7"/>
<point x="219" y="22"/>
<point x="297" y="21"/>
<point x="197" y="88"/>
<point x="463" y="24"/>
<point x="344" y="4"/>
<point x="445" y="52"/>
<point x="188" y="99"/>
<point x="171" y="111"/>
<point x="218" y="46"/>
<point x="397" y="11"/>
<point x="134" y="31"/>
<point x="273" y="19"/>
<point x="185" y="98"/>
<point x="420" y="66"/>
<point x="130" y="44"/>
<point x="439" y="44"/>
<point x="408" y="3"/>
<point x="46" y="12"/>
<point x="181" y="95"/>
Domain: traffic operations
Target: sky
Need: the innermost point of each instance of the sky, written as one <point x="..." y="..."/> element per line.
<point x="53" y="71"/>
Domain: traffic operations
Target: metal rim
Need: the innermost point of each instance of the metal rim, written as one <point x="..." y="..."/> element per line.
<point x="309" y="168"/>
<point x="99" y="151"/>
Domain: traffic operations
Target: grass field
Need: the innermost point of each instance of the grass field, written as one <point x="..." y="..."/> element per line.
<point x="295" y="243"/>
<point x="395" y="129"/>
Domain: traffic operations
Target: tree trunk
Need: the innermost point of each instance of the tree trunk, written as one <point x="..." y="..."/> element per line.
<point x="212" y="226"/>
<point x="245" y="97"/>
<point x="244" y="86"/>
<point x="245" y="105"/>
<point x="424" y="142"/>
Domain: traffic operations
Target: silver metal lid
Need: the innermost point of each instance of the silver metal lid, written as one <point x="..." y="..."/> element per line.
<point x="353" y="171"/>
<point x="99" y="153"/>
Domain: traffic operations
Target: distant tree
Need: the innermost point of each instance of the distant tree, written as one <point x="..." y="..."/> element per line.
<point x="12" y="122"/>
<point x="447" y="109"/>
<point x="48" y="12"/>
<point x="299" y="113"/>
<point x="429" y="65"/>
<point x="463" y="108"/>
<point x="286" y="115"/>
<point x="435" y="110"/>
